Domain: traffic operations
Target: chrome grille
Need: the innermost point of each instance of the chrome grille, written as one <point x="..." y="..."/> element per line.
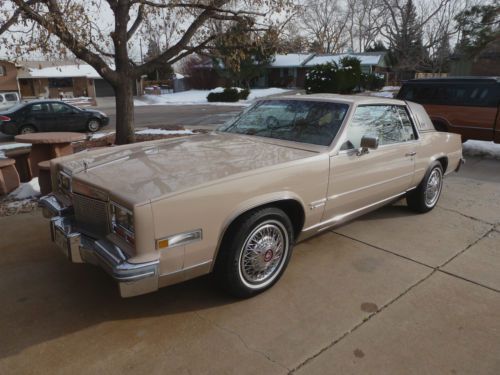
<point x="91" y="215"/>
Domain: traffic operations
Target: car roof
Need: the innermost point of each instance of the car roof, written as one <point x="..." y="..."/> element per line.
<point x="468" y="79"/>
<point x="347" y="99"/>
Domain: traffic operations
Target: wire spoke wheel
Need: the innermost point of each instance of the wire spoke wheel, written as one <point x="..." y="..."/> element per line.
<point x="264" y="252"/>
<point x="433" y="187"/>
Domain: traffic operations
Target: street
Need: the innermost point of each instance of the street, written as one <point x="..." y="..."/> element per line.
<point x="393" y="292"/>
<point x="195" y="116"/>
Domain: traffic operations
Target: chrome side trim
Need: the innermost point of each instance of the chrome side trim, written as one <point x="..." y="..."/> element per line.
<point x="369" y="186"/>
<point x="317" y="204"/>
<point x="344" y="217"/>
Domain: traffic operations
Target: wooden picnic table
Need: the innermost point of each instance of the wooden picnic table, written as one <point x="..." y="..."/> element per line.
<point x="46" y="146"/>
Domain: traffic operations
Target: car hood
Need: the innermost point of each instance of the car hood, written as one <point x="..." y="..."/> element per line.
<point x="139" y="173"/>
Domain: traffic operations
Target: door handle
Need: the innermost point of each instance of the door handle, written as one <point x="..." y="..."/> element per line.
<point x="411" y="153"/>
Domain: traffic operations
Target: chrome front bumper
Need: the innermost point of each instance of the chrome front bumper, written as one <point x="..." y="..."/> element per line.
<point x="133" y="278"/>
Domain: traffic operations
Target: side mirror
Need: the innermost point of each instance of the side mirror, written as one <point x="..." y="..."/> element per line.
<point x="367" y="143"/>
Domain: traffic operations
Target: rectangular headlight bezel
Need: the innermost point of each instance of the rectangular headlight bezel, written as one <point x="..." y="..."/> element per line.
<point x="122" y="222"/>
<point x="64" y="182"/>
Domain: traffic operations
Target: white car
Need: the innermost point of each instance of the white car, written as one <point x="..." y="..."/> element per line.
<point x="9" y="99"/>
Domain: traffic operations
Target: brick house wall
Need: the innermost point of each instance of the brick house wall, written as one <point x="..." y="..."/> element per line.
<point x="8" y="75"/>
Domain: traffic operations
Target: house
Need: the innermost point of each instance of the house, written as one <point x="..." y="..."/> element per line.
<point x="8" y="76"/>
<point x="67" y="78"/>
<point x="290" y="70"/>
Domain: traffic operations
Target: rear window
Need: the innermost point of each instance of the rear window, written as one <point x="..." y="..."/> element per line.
<point x="454" y="94"/>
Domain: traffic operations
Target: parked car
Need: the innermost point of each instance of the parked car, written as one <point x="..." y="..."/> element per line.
<point x="235" y="201"/>
<point x="50" y="115"/>
<point x="8" y="100"/>
<point x="466" y="106"/>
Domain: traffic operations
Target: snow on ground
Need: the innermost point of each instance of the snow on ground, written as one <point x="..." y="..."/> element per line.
<point x="390" y="88"/>
<point x="382" y="94"/>
<point x="95" y="136"/>
<point x="482" y="148"/>
<point x="196" y="97"/>
<point x="164" y="132"/>
<point x="26" y="190"/>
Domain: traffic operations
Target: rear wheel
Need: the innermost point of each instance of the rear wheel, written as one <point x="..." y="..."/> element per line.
<point x="27" y="129"/>
<point x="93" y="125"/>
<point x="425" y="197"/>
<point x="255" y="253"/>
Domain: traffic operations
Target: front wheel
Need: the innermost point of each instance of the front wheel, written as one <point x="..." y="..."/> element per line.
<point x="425" y="197"/>
<point x="93" y="125"/>
<point x="255" y="253"/>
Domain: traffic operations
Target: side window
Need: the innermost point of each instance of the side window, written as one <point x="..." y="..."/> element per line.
<point x="39" y="108"/>
<point x="61" y="108"/>
<point x="391" y="124"/>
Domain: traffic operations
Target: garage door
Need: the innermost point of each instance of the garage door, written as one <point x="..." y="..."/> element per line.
<point x="103" y="88"/>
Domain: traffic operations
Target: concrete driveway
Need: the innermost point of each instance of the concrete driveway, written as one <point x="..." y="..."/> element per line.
<point x="391" y="293"/>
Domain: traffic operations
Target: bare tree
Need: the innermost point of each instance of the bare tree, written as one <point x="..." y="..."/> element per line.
<point x="105" y="33"/>
<point x="325" y="22"/>
<point x="404" y="29"/>
<point x="363" y="26"/>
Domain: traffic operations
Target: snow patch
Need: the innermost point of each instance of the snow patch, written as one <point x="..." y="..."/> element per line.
<point x="95" y="136"/>
<point x="165" y="132"/>
<point x="390" y="88"/>
<point x="197" y="97"/>
<point x="26" y="190"/>
<point x="482" y="148"/>
<point x="382" y="94"/>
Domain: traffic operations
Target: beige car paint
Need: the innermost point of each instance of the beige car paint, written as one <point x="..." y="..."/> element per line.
<point x="207" y="181"/>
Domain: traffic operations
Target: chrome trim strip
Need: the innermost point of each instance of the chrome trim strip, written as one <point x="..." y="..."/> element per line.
<point x="368" y="186"/>
<point x="317" y="204"/>
<point x="181" y="239"/>
<point x="342" y="217"/>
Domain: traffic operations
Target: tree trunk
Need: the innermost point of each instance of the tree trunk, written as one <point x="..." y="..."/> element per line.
<point x="124" y="111"/>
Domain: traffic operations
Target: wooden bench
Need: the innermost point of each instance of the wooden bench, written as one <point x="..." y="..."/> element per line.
<point x="9" y="178"/>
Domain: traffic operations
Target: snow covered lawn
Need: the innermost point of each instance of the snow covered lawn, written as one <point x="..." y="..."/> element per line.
<point x="482" y="148"/>
<point x="197" y="97"/>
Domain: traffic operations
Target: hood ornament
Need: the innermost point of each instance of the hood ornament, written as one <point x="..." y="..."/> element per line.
<point x="85" y="165"/>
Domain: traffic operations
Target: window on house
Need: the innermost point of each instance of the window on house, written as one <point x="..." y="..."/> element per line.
<point x="3" y="71"/>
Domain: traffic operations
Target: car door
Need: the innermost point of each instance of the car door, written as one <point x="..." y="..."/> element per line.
<point x="67" y="118"/>
<point x="40" y="115"/>
<point x="360" y="180"/>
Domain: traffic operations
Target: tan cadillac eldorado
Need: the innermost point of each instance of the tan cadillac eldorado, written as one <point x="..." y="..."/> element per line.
<point x="235" y="201"/>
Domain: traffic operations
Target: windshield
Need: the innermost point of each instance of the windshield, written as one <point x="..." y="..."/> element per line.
<point x="303" y="121"/>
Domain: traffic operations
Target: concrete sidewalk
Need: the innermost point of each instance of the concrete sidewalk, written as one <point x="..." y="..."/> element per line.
<point x="390" y="293"/>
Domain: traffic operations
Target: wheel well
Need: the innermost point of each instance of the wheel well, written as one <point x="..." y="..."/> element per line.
<point x="27" y="126"/>
<point x="291" y="207"/>
<point x="444" y="163"/>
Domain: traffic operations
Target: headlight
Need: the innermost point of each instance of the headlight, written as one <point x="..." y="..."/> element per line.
<point x="122" y="222"/>
<point x="64" y="181"/>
